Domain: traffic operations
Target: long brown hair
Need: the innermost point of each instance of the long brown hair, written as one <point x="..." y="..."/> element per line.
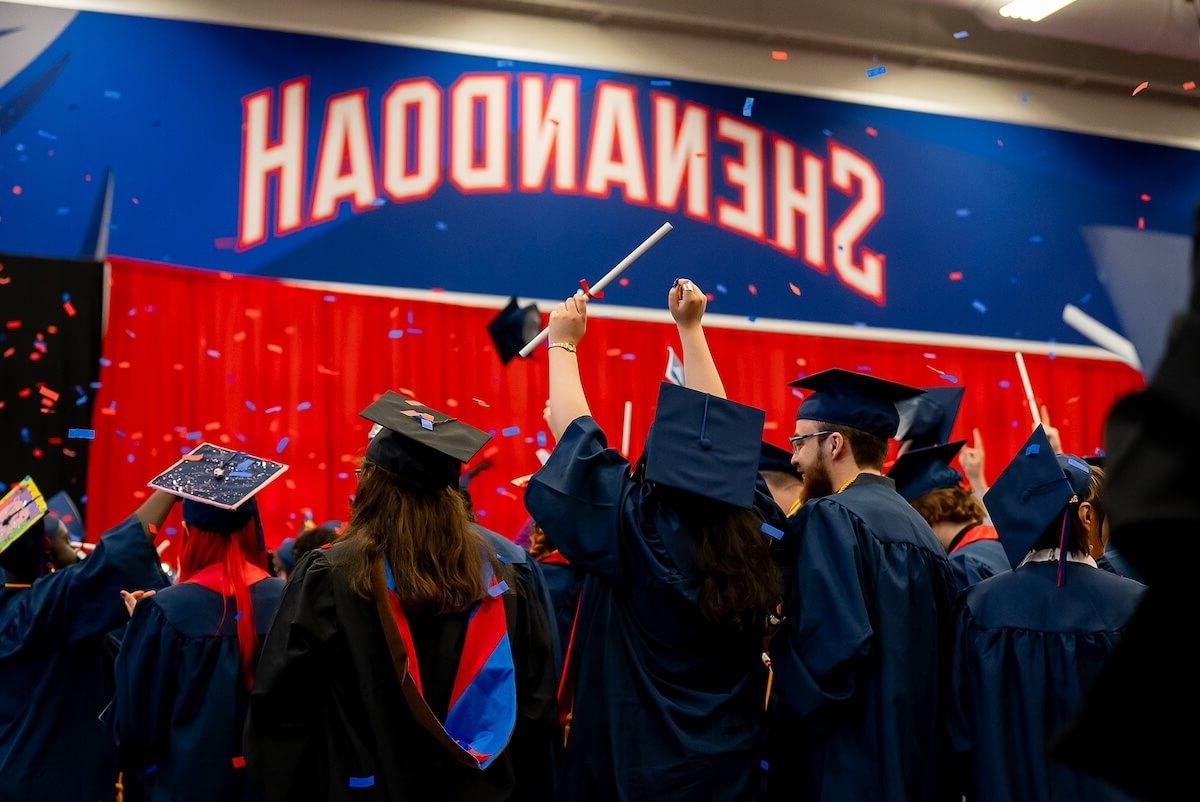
<point x="740" y="583"/>
<point x="435" y="555"/>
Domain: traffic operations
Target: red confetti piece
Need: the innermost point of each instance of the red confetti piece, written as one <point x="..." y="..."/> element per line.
<point x="37" y="453"/>
<point x="1188" y="86"/>
<point x="407" y="392"/>
<point x="623" y="281"/>
<point x="753" y="289"/>
<point x="491" y="451"/>
<point x="52" y="329"/>
<point x="9" y="352"/>
<point x="239" y="762"/>
<point x="872" y="132"/>
<point x="226" y="275"/>
<point x="48" y="393"/>
<point x="795" y="290"/>
<point x="779" y="55"/>
<point x="193" y="457"/>
<point x="801" y="361"/>
<point x="452" y="403"/>
<point x="1141" y="224"/>
<point x="482" y="403"/>
<point x="1141" y="86"/>
<point x="69" y="453"/>
<point x="69" y="309"/>
<point x="1145" y="198"/>
<point x="956" y="276"/>
<point x="54" y="441"/>
<point x="324" y="371"/>
<point x="12" y="324"/>
<point x="274" y="349"/>
<point x="213" y="426"/>
<point x="16" y="190"/>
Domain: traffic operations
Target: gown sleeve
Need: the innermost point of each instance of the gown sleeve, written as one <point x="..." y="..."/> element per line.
<point x="958" y="707"/>
<point x="146" y="668"/>
<point x="83" y="602"/>
<point x="280" y="737"/>
<point x="535" y="737"/>
<point x="829" y="630"/>
<point x="577" y="495"/>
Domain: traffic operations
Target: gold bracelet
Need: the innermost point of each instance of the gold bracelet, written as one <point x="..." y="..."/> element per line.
<point x="566" y="346"/>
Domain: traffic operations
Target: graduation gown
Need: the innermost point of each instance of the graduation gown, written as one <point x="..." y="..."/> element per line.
<point x="667" y="706"/>
<point x="977" y="557"/>
<point x="181" y="700"/>
<point x="56" y="670"/>
<point x="861" y="662"/>
<point x="1025" y="652"/>
<point x="328" y="714"/>
<point x="564" y="582"/>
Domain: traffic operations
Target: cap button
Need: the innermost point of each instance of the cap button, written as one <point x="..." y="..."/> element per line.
<point x="1025" y="495"/>
<point x="705" y="444"/>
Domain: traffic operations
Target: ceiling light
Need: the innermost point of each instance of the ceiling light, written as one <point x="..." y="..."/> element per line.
<point x="1033" y="10"/>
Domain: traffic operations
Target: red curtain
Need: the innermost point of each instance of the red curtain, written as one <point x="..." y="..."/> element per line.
<point x="282" y="372"/>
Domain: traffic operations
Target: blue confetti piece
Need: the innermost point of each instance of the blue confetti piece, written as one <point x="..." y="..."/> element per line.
<point x="500" y="557"/>
<point x="250" y="406"/>
<point x="112" y="405"/>
<point x="948" y="377"/>
<point x="1005" y="384"/>
<point x="303" y="405"/>
<point x="395" y="334"/>
<point x="496" y="590"/>
<point x="826" y="132"/>
<point x="130" y="458"/>
<point x="24" y="435"/>
<point x="980" y="306"/>
<point x="1035" y="239"/>
<point x="112" y="94"/>
<point x="961" y="34"/>
<point x="283" y="442"/>
<point x="81" y="400"/>
<point x="510" y="431"/>
<point x="502" y="63"/>
<point x="379" y="202"/>
<point x="752" y="318"/>
<point x="875" y="72"/>
<point x="63" y="211"/>
<point x="747" y="107"/>
<point x="767" y="529"/>
<point x="47" y="135"/>
<point x="3" y="487"/>
<point x="192" y="436"/>
<point x="329" y="299"/>
<point x="171" y="531"/>
<point x="1087" y="297"/>
<point x="440" y="226"/>
<point x="81" y="434"/>
<point x="343" y="475"/>
<point x="629" y="357"/>
<point x="415" y="331"/>
<point x="963" y="212"/>
<point x="367" y="782"/>
<point x="721" y="289"/>
<point x="66" y="296"/>
<point x="864" y="368"/>
<point x="426" y="424"/>
<point x="541" y="439"/>
<point x="121" y="433"/>
<point x="245" y="464"/>
<point x="660" y="82"/>
<point x="96" y="385"/>
<point x="105" y="361"/>
<point x="237" y="616"/>
<point x="1024" y="97"/>
<point x="214" y="353"/>
<point x="1033" y="449"/>
<point x="765" y="766"/>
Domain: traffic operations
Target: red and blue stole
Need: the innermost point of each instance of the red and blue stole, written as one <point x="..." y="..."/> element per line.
<point x="483" y="701"/>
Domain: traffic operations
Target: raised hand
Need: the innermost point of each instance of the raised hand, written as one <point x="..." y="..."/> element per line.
<point x="568" y="321"/>
<point x="1051" y="432"/>
<point x="687" y="303"/>
<point x="972" y="458"/>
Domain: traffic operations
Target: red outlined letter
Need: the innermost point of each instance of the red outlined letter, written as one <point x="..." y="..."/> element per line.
<point x="807" y="201"/>
<point x="489" y="171"/>
<point x="423" y="98"/>
<point x="549" y="127"/>
<point x="681" y="153"/>
<point x="345" y="158"/>
<point x="745" y="174"/>
<point x="866" y="277"/>
<point x="282" y="157"/>
<point x="615" y="130"/>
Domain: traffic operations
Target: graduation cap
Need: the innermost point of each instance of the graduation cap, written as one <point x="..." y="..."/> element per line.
<point x="704" y="445"/>
<point x="513" y="327"/>
<point x="1078" y="472"/>
<point x="857" y="400"/>
<point x="773" y="458"/>
<point x="922" y="470"/>
<point x="417" y="442"/>
<point x="61" y="507"/>
<point x="21" y="508"/>
<point x="1096" y="460"/>
<point x="286" y="553"/>
<point x="928" y="419"/>
<point x="218" y="487"/>
<point x="1028" y="496"/>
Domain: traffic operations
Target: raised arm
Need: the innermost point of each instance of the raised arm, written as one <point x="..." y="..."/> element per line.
<point x="687" y="302"/>
<point x="567" y="402"/>
<point x="154" y="511"/>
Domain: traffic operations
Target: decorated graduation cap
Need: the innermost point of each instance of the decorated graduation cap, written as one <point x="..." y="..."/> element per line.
<point x="857" y="400"/>
<point x="928" y="419"/>
<point x="704" y="445"/>
<point x="923" y="470"/>
<point x="218" y="486"/>
<point x="21" y="508"/>
<point x="513" y="327"/>
<point x="1078" y="472"/>
<point x="1028" y="496"/>
<point x="416" y="442"/>
<point x="773" y="458"/>
<point x="62" y="508"/>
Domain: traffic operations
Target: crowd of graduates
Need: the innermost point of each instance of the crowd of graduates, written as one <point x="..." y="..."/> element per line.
<point x="723" y="619"/>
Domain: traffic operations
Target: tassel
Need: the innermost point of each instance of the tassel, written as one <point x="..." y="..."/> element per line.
<point x="1062" y="549"/>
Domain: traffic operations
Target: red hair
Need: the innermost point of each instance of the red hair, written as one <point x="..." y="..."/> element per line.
<point x="202" y="549"/>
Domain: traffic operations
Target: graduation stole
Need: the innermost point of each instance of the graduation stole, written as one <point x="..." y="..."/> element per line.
<point x="213" y="576"/>
<point x="483" y="700"/>
<point x="973" y="534"/>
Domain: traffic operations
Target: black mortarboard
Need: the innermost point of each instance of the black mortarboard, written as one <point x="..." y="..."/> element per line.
<point x="773" y="458"/>
<point x="928" y="419"/>
<point x="922" y="470"/>
<point x="21" y="508"/>
<point x="1030" y="493"/>
<point x="218" y="487"/>
<point x="513" y="328"/>
<point x="704" y="445"/>
<point x="851" y="399"/>
<point x="62" y="508"/>
<point x="418" y="442"/>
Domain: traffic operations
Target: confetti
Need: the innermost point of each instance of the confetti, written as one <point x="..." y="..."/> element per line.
<point x="272" y="410"/>
<point x="1188" y="86"/>
<point x="753" y="289"/>
<point x="1145" y="198"/>
<point x="395" y="334"/>
<point x="872" y="132"/>
<point x="239" y="762"/>
<point x="1141" y="224"/>
<point x="660" y="82"/>
<point x="275" y="349"/>
<point x="363" y="782"/>
<point x="961" y="34"/>
<point x="541" y="439"/>
<point x="482" y="403"/>
<point x="875" y="72"/>
<point x="795" y="290"/>
<point x="623" y="281"/>
<point x="980" y="306"/>
<point x="1141" y="86"/>
<point x="250" y="406"/>
<point x="212" y="352"/>
<point x="956" y="276"/>
<point x="81" y="434"/>
<point x="192" y="436"/>
<point x="721" y="289"/>
<point x="511" y="431"/>
<point x="14" y="324"/>
<point x="779" y="55"/>
<point x="963" y="212"/>
<point x="1035" y="239"/>
<point x="1033" y="449"/>
<point x="16" y="190"/>
<point x="497" y="590"/>
<point x="440" y="226"/>
<point x="48" y="393"/>
<point x="767" y="529"/>
<point x="112" y="94"/>
<point x="747" y="107"/>
<point x="283" y="443"/>
<point x="303" y="405"/>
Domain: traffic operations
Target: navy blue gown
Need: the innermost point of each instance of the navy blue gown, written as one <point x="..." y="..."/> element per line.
<point x="56" y="670"/>
<point x="976" y="561"/>
<point x="564" y="582"/>
<point x="667" y="705"/>
<point x="180" y="698"/>
<point x="861" y="662"/>
<point x="1025" y="652"/>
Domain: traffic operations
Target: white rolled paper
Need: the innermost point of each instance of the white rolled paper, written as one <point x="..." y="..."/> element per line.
<point x="1101" y="335"/>
<point x="1033" y="409"/>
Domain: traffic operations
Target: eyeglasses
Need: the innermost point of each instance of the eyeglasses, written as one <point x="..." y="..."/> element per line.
<point x="797" y="440"/>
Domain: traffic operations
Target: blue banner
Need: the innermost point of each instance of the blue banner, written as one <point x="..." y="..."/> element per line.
<point x="269" y="153"/>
